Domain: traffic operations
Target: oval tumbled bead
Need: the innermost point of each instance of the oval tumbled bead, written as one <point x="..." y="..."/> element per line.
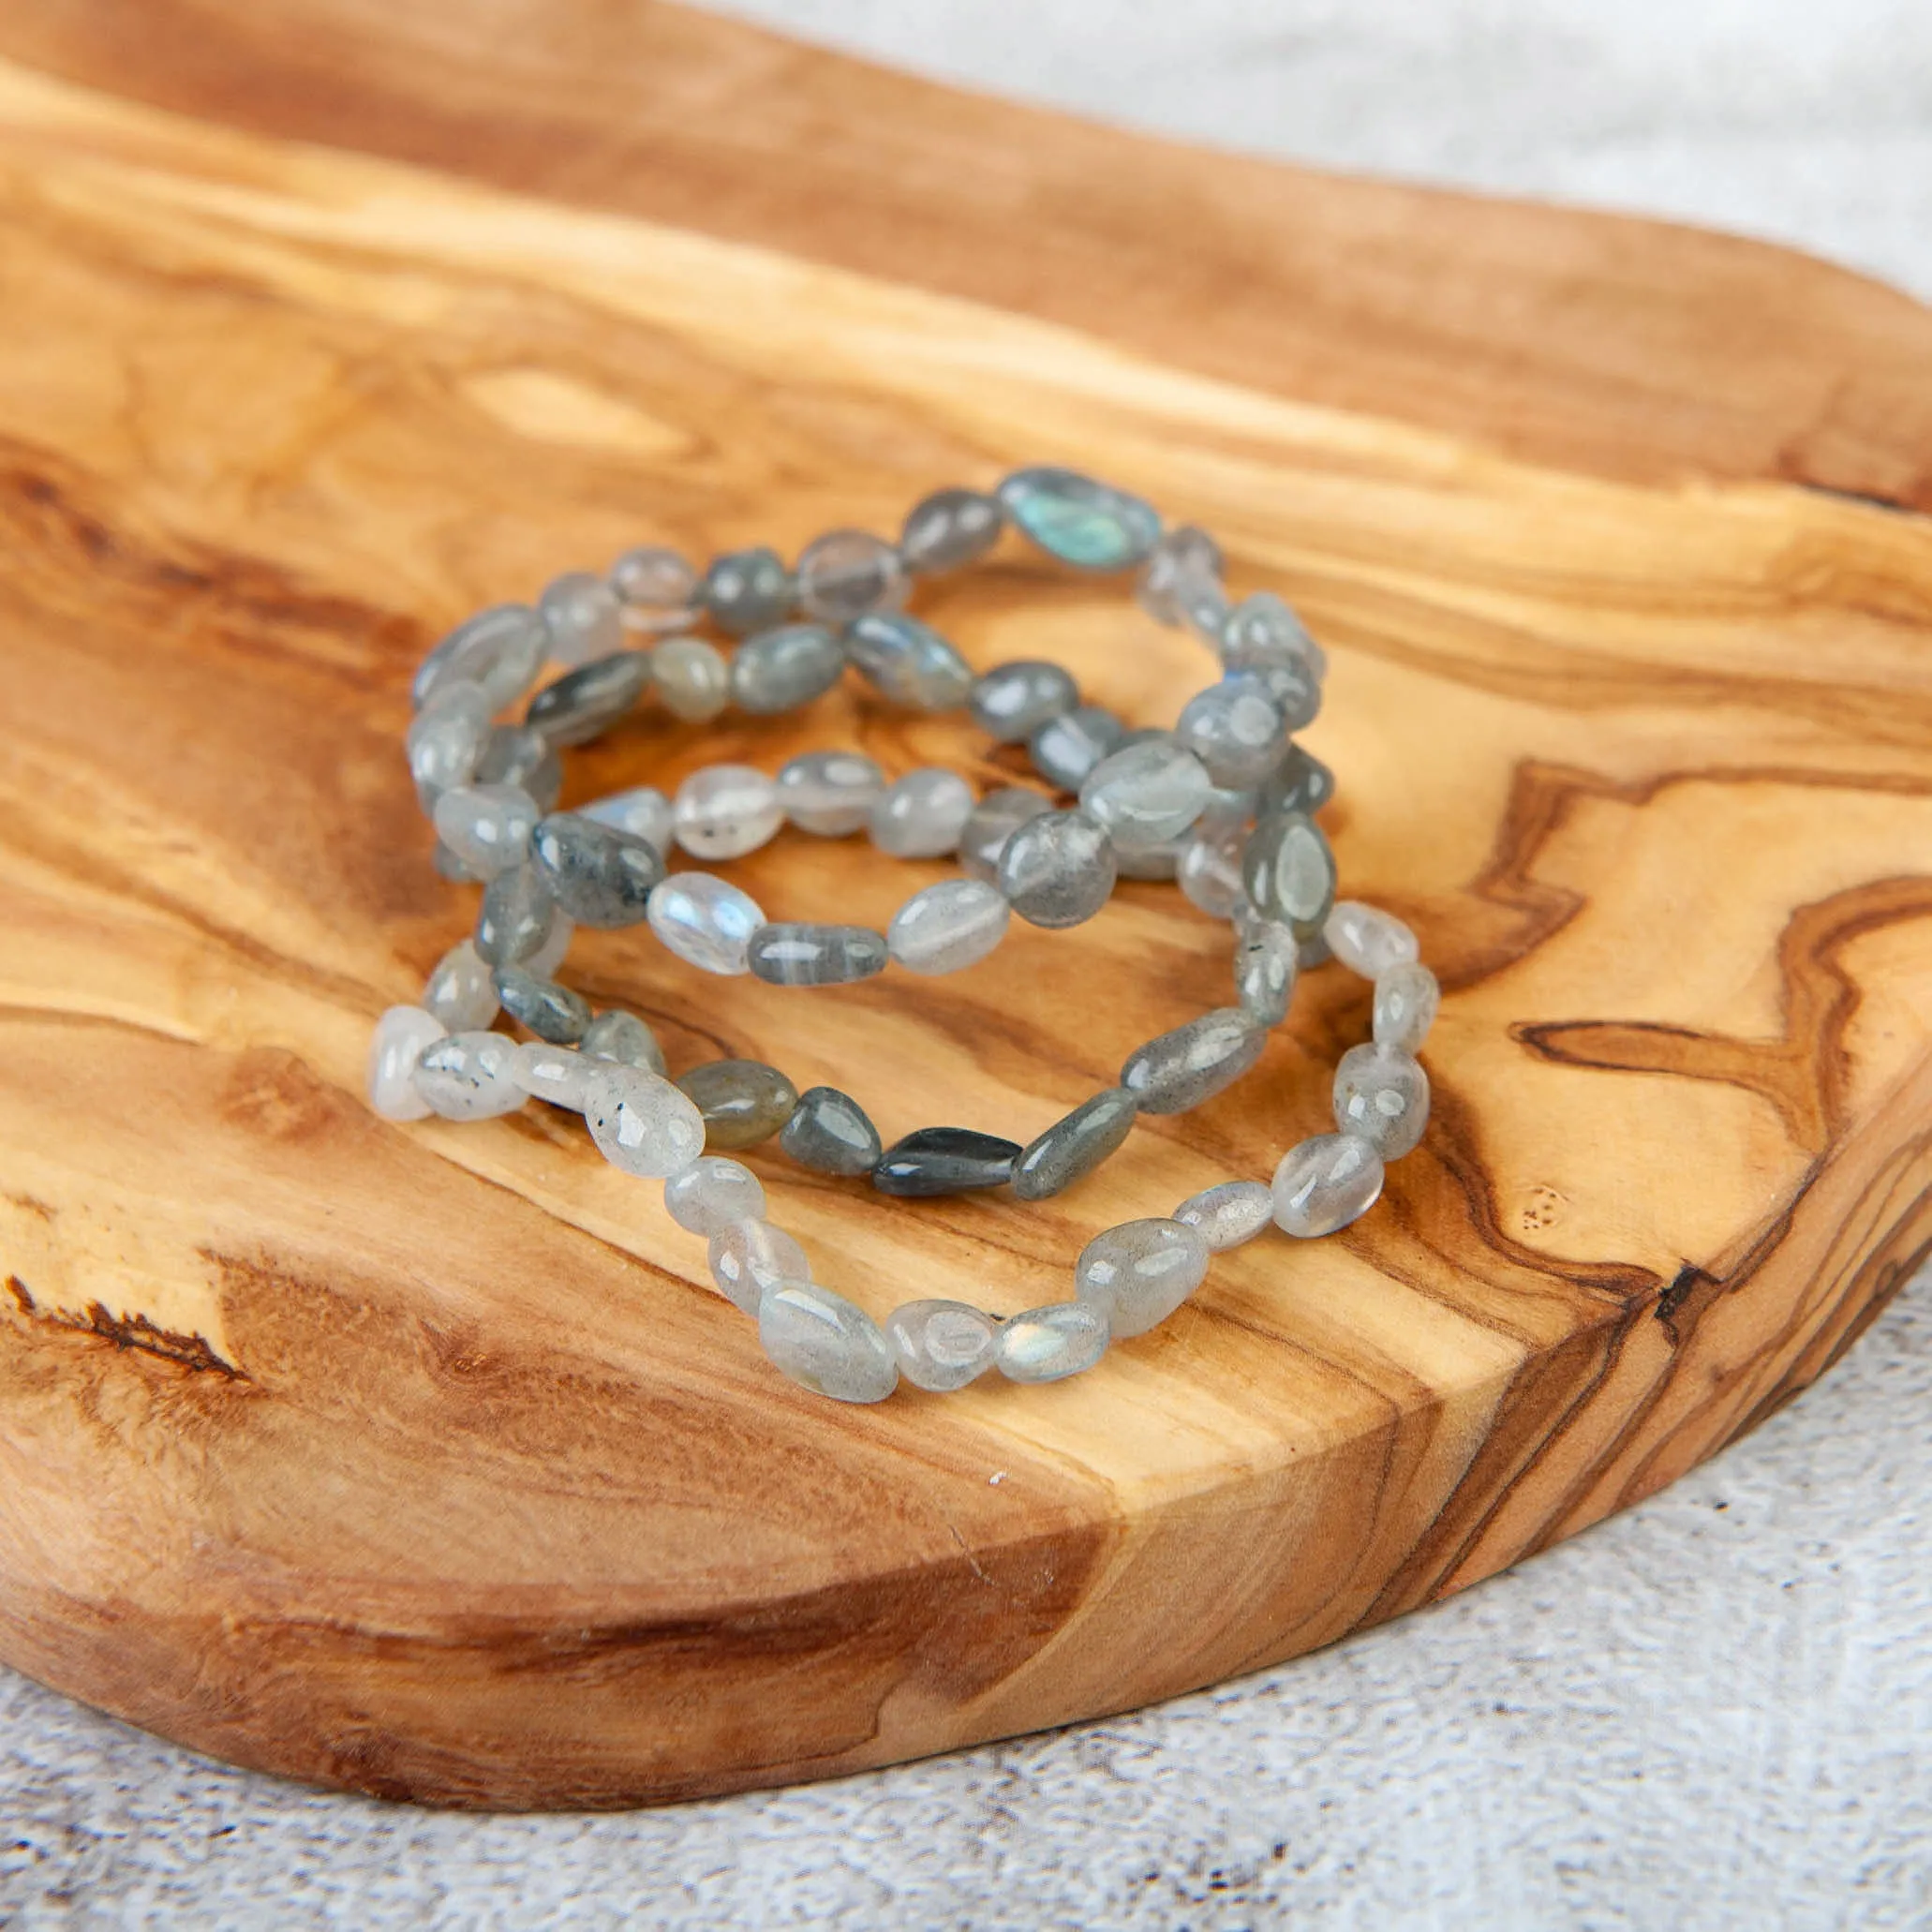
<point x="624" y="1038"/>
<point x="1367" y="940"/>
<point x="469" y="1077"/>
<point x="1289" y="872"/>
<point x="462" y="990"/>
<point x="1011" y="702"/>
<point x="657" y="587"/>
<point x="747" y="591"/>
<point x="909" y="662"/>
<point x="501" y="650"/>
<point x="713" y="1192"/>
<point x="725" y="811"/>
<point x="400" y="1038"/>
<point x="1267" y="958"/>
<point x="585" y="703"/>
<point x="1382" y="1094"/>
<point x="749" y="1256"/>
<point x="1147" y="792"/>
<point x="1228" y="1214"/>
<point x="516" y="919"/>
<point x="1325" y="1184"/>
<point x="1300" y="782"/>
<point x="446" y="738"/>
<point x="1140" y="1272"/>
<point x="1081" y="521"/>
<point x="1058" y="869"/>
<point x="948" y="926"/>
<point x="942" y="1345"/>
<point x="830" y="1133"/>
<point x="1209" y="868"/>
<point x="825" y="1344"/>
<point x="599" y="876"/>
<point x="1407" y="998"/>
<point x="950" y="528"/>
<point x="1236" y="730"/>
<point x="801" y="952"/>
<point x="1065" y="749"/>
<point x="846" y="573"/>
<point x="641" y="1122"/>
<point x="550" y="1011"/>
<point x="1048" y="1345"/>
<point x="1075" y="1145"/>
<point x="705" y="920"/>
<point x="829" y="793"/>
<point x="690" y="678"/>
<point x="742" y="1102"/>
<point x="1180" y="1069"/>
<point x="582" y="617"/>
<point x="923" y="815"/>
<point x="487" y="826"/>
<point x="1183" y="561"/>
<point x="560" y="1075"/>
<point x="934" y="1161"/>
<point x="783" y="669"/>
<point x="513" y="754"/>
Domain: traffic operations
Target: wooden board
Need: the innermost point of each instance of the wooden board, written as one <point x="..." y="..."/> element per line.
<point x="418" y="1460"/>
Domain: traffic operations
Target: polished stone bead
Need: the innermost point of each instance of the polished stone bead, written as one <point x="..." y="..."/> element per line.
<point x="1203" y="603"/>
<point x="830" y="1133"/>
<point x="991" y="822"/>
<point x="1300" y="782"/>
<point x="942" y="1345"/>
<point x="692" y="678"/>
<point x="1153" y="861"/>
<point x="1262" y="629"/>
<point x="446" y="738"/>
<point x="742" y="1101"/>
<point x="802" y="952"/>
<point x="1325" y="1184"/>
<point x="909" y="662"/>
<point x="551" y="949"/>
<point x="1180" y="1069"/>
<point x="640" y="1122"/>
<point x="1236" y="730"/>
<point x="1229" y="1214"/>
<point x="1075" y="1145"/>
<point x="1265" y="960"/>
<point x="750" y="1256"/>
<point x="516" y="917"/>
<point x="783" y="669"/>
<point x="712" y="1193"/>
<point x="560" y="1075"/>
<point x="1288" y="872"/>
<point x="1382" y="1094"/>
<point x="584" y="704"/>
<point x="514" y="754"/>
<point x="488" y="826"/>
<point x="657" y="587"/>
<point x="1011" y="702"/>
<point x="948" y="926"/>
<point x="469" y="1077"/>
<point x="580" y="611"/>
<point x="1406" y="997"/>
<point x="1290" y="670"/>
<point x="824" y="1343"/>
<point x="599" y="876"/>
<point x="501" y="650"/>
<point x="398" y="1042"/>
<point x="1183" y="560"/>
<point x="747" y="591"/>
<point x="846" y="573"/>
<point x="462" y="990"/>
<point x="550" y="1011"/>
<point x="922" y="816"/>
<point x="642" y="811"/>
<point x="1079" y="521"/>
<point x="1048" y="1345"/>
<point x="950" y="528"/>
<point x="1058" y="869"/>
<point x="1144" y="794"/>
<point x="1210" y="869"/>
<point x="725" y="811"/>
<point x="1140" y="1272"/>
<point x="945" y="1160"/>
<point x="1066" y="749"/>
<point x="1228" y="809"/>
<point x="704" y="920"/>
<point x="624" y="1038"/>
<point x="831" y="794"/>
<point x="1367" y="940"/>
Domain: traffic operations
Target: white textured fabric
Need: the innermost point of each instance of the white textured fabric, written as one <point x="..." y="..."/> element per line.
<point x="1714" y="1712"/>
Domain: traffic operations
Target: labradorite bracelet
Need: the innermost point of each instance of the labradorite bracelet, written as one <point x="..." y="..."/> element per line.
<point x="1223" y="804"/>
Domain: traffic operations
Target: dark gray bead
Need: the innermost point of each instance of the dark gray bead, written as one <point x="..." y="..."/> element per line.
<point x="845" y="574"/>
<point x="945" y="1160"/>
<point x="1236" y="728"/>
<point x="802" y="952"/>
<point x="599" y="876"/>
<point x="1011" y="702"/>
<point x="550" y="1011"/>
<point x="1194" y="1062"/>
<point x="1300" y="782"/>
<point x="502" y="650"/>
<point x="1081" y="521"/>
<point x="950" y="528"/>
<point x="830" y="1133"/>
<point x="991" y="822"/>
<point x="780" y="669"/>
<point x="1058" y="869"/>
<point x="747" y="591"/>
<point x="909" y="662"/>
<point x="585" y="703"/>
<point x="624" y="1038"/>
<point x="1075" y="1145"/>
<point x="1266" y="960"/>
<point x="516" y="918"/>
<point x="743" y="1101"/>
<point x="1288" y="872"/>
<point x="1066" y="749"/>
<point x="514" y="754"/>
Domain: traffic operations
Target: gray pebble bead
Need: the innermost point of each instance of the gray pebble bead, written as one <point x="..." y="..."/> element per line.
<point x="513" y="754"/>
<point x="1011" y="702"/>
<point x="991" y="822"/>
<point x="462" y="990"/>
<point x="692" y="678"/>
<point x="846" y="573"/>
<point x="924" y="814"/>
<point x="1236" y="730"/>
<point x="624" y="1040"/>
<point x="1048" y="1345"/>
<point x="1058" y="869"/>
<point x="1229" y="1214"/>
<point x="446" y="738"/>
<point x="585" y="703"/>
<point x="1406" y="997"/>
<point x="488" y="826"/>
<point x="1081" y="521"/>
<point x="657" y="587"/>
<point x="829" y="793"/>
<point x="516" y="917"/>
<point x="1184" y="560"/>
<point x="830" y="1133"/>
<point x="1140" y="1272"/>
<point x="1180" y="1069"/>
<point x="580" y="612"/>
<point x="1146" y="793"/>
<point x="1075" y="1145"/>
<point x="1160" y="861"/>
<point x="796" y="952"/>
<point x="942" y="1345"/>
<point x="780" y="669"/>
<point x="599" y="876"/>
<point x="1365" y="939"/>
<point x="747" y="591"/>
<point x="550" y="1011"/>
<point x="1289" y="678"/>
<point x="742" y="1101"/>
<point x="501" y="650"/>
<point x="1265" y="960"/>
<point x="558" y="1075"/>
<point x="1300" y="782"/>
<point x="948" y="926"/>
<point x="400" y="1038"/>
<point x="936" y="1161"/>
<point x="643" y="812"/>
<point x="1066" y="749"/>
<point x="725" y="811"/>
<point x="749" y="1256"/>
<point x="1382" y="1094"/>
<point x="1325" y="1184"/>
<point x="1288" y="872"/>
<point x="1204" y="606"/>
<point x="909" y="662"/>
<point x="712" y="1193"/>
<point x="950" y="528"/>
<point x="469" y="1077"/>
<point x="642" y="1124"/>
<point x="824" y="1343"/>
<point x="1262" y="629"/>
<point x="705" y="921"/>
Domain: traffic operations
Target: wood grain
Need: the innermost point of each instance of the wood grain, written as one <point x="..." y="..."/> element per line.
<point x="417" y="1460"/>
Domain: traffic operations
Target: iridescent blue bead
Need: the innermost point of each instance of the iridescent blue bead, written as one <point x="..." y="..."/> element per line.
<point x="1079" y="521"/>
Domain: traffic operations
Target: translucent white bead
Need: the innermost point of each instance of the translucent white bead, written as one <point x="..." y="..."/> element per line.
<point x="1183" y="558"/>
<point x="499" y="650"/>
<point x="1048" y="1345"/>
<point x="749" y="1256"/>
<point x="469" y="1077"/>
<point x="948" y="926"/>
<point x="1146" y="792"/>
<point x="1382" y="1094"/>
<point x="845" y="574"/>
<point x="1406" y="997"/>
<point x="831" y="794"/>
<point x="1140" y="1272"/>
<point x="712" y="1194"/>
<point x="446" y="738"/>
<point x="488" y="826"/>
<point x="824" y="1343"/>
<point x="644" y="811"/>
<point x="582" y="614"/>
<point x="657" y="587"/>
<point x="560" y="1075"/>
<point x="1325" y="1184"/>
<point x="462" y="990"/>
<point x="1229" y="1214"/>
<point x="640" y="1122"/>
<point x="1209" y="868"/>
<point x="923" y="814"/>
<point x="1367" y="940"/>
<point x="704" y="920"/>
<point x="397" y="1043"/>
<point x="725" y="811"/>
<point x="942" y="1345"/>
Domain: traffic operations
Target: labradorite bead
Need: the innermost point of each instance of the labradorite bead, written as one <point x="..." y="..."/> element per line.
<point x="923" y="815"/>
<point x="1147" y="792"/>
<point x="462" y="990"/>
<point x="824" y="1343"/>
<point x="1265" y="960"/>
<point x="845" y="574"/>
<point x="797" y="952"/>
<point x="469" y="1077"/>
<point x="830" y="1133"/>
<point x="909" y="662"/>
<point x="599" y="876"/>
<point x="398" y="1042"/>
<point x="641" y="1122"/>
<point x="560" y="1075"/>
<point x="1365" y="939"/>
<point x="550" y="1011"/>
<point x="945" y="1160"/>
<point x="657" y="587"/>
<point x="1075" y="1145"/>
<point x="947" y="926"/>
<point x="749" y="1256"/>
<point x="1180" y="1069"/>
<point x="704" y="920"/>
<point x="445" y="739"/>
<point x="747" y="591"/>
<point x="1288" y="872"/>
<point x="1262" y="630"/>
<point x="642" y="811"/>
<point x="1382" y="1094"/>
<point x="1229" y="1214"/>
<point x="742" y="1101"/>
<point x="1182" y="561"/>
<point x="950" y="528"/>
<point x="829" y="793"/>
<point x="1210" y="869"/>
<point x="725" y="811"/>
<point x="513" y="754"/>
<point x="1325" y="1184"/>
<point x="783" y="669"/>
<point x="1066" y="749"/>
<point x="500" y="649"/>
<point x="692" y="678"/>
<point x="1011" y="702"/>
<point x="942" y="1345"/>
<point x="624" y="1038"/>
<point x="991" y="822"/>
<point x="1140" y="1272"/>
<point x="516" y="917"/>
<point x="1300" y="782"/>
<point x="1160" y="861"/>
<point x="1406" y="997"/>
<point x="712" y="1193"/>
<point x="586" y="701"/>
<point x="488" y="826"/>
<point x="581" y="614"/>
<point x="1079" y="521"/>
<point x="1236" y="728"/>
<point x="1057" y="870"/>
<point x="1048" y="1345"/>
